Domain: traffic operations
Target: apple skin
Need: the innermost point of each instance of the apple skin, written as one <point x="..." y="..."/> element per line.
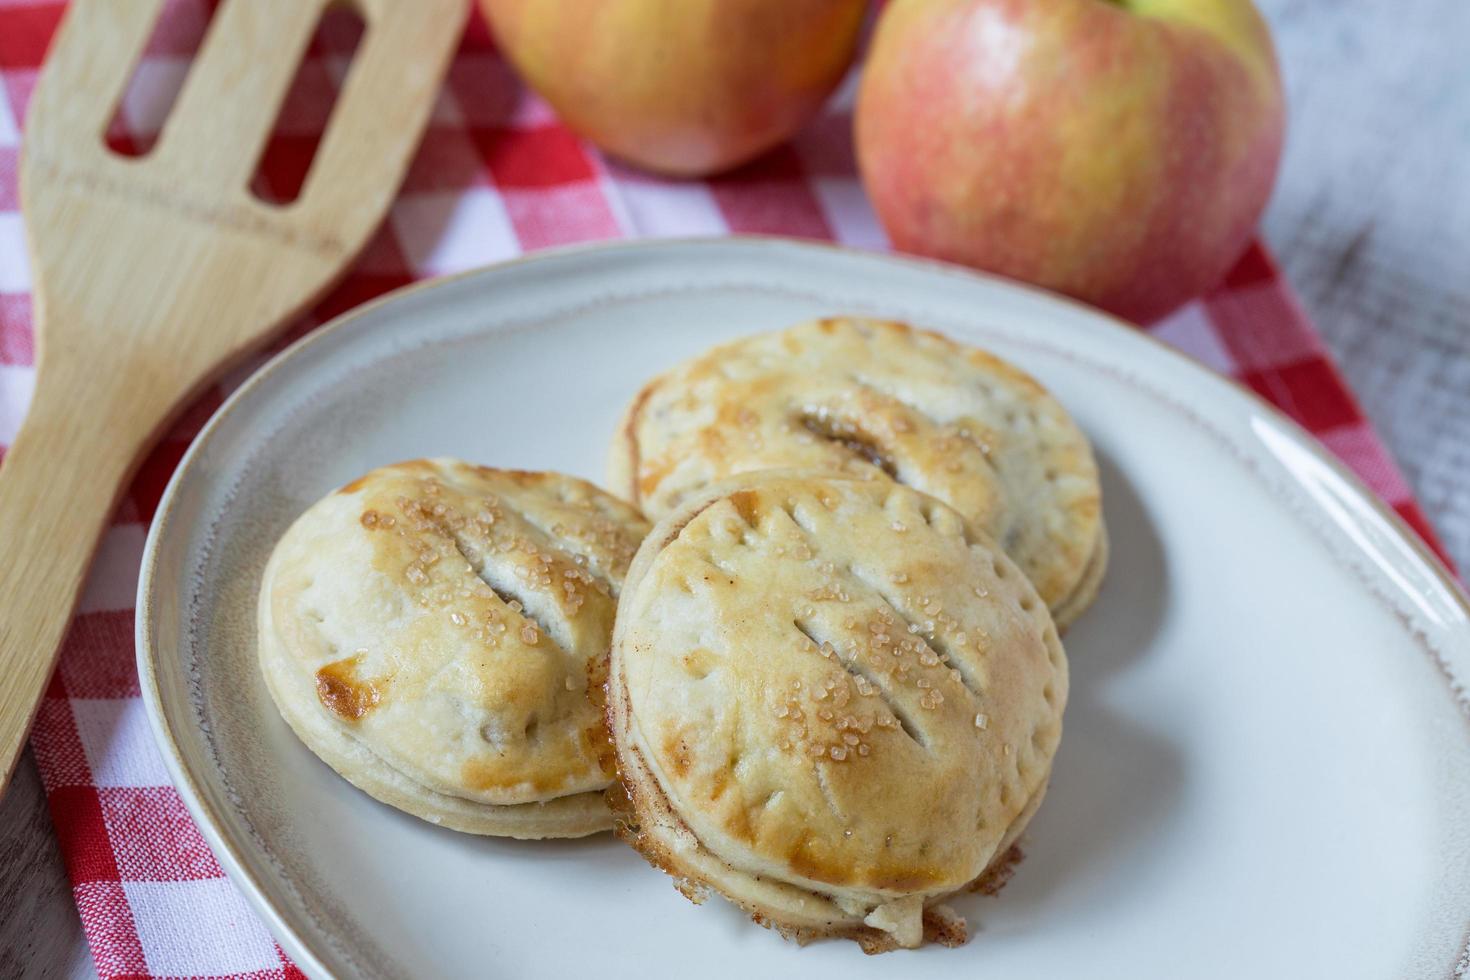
<point x="1118" y="152"/>
<point x="681" y="87"/>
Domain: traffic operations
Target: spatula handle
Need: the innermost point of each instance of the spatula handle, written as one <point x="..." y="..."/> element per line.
<point x="58" y="484"/>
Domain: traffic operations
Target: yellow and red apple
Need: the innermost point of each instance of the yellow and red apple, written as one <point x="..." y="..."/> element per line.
<point x="682" y="87"/>
<point x="1119" y="151"/>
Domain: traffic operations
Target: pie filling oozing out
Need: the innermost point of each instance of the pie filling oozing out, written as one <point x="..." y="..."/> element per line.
<point x="833" y="700"/>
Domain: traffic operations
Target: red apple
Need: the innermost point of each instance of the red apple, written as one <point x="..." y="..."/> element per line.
<point x="682" y="87"/>
<point x="1120" y="151"/>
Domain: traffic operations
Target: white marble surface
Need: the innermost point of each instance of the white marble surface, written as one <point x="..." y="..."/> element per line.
<point x="1371" y="222"/>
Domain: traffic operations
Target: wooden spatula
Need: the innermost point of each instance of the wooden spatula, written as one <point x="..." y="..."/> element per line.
<point x="153" y="274"/>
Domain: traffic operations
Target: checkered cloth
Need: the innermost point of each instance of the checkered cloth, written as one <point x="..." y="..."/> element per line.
<point x="496" y="176"/>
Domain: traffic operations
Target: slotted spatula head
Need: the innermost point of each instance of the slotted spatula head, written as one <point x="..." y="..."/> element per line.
<point x="151" y="274"/>
<point x="119" y="244"/>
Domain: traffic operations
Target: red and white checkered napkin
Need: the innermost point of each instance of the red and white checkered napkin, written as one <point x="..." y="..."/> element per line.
<point x="497" y="176"/>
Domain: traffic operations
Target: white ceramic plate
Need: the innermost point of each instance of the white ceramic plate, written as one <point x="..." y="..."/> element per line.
<point x="1266" y="765"/>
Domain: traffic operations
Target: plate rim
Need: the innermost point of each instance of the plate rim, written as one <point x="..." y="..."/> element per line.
<point x="304" y="951"/>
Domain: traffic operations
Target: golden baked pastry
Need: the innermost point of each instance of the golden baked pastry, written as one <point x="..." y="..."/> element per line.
<point x="428" y="630"/>
<point x="832" y="700"/>
<point x="872" y="397"/>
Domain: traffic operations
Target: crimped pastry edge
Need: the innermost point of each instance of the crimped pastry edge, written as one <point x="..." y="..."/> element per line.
<point x="575" y="815"/>
<point x="645" y="819"/>
<point x="1080" y="599"/>
<point x="622" y="456"/>
<point x="624" y="452"/>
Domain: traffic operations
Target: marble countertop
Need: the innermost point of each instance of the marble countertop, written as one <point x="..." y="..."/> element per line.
<point x="1371" y="222"/>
